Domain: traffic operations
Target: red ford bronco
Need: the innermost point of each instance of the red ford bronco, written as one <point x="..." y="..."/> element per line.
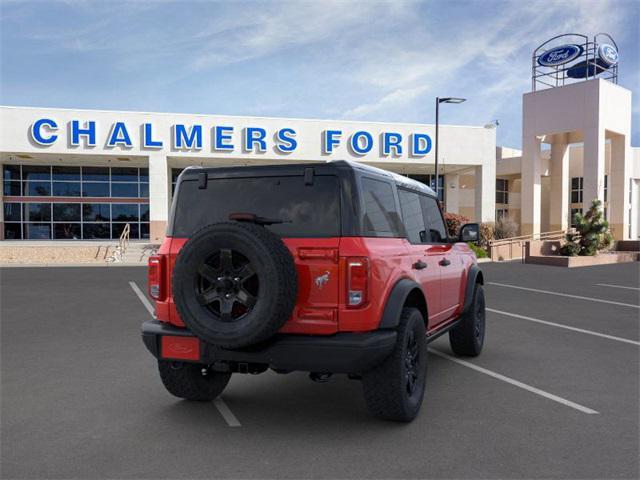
<point x="328" y="268"/>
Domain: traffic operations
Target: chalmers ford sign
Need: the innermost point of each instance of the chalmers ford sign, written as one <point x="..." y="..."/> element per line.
<point x="221" y="138"/>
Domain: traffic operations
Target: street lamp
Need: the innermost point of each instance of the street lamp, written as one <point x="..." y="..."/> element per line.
<point x="438" y="102"/>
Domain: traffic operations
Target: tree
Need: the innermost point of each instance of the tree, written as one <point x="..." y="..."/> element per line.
<point x="591" y="235"/>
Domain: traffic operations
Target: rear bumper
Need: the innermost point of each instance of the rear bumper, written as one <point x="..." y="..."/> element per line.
<point x="340" y="353"/>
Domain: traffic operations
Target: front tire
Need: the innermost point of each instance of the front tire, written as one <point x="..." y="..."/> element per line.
<point x="192" y="381"/>
<point x="394" y="390"/>
<point x="467" y="338"/>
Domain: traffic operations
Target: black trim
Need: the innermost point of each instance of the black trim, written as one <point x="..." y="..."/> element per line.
<point x="396" y="301"/>
<point x="474" y="276"/>
<point x="352" y="353"/>
<point x="432" y="336"/>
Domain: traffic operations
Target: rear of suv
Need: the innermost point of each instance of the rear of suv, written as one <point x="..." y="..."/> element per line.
<point x="330" y="268"/>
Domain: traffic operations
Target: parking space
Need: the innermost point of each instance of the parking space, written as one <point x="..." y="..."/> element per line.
<point x="81" y="397"/>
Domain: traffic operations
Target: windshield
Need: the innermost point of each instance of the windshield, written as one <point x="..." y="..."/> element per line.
<point x="305" y="210"/>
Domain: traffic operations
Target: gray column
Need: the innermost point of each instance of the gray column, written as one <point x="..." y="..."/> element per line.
<point x="158" y="196"/>
<point x="485" y="192"/>
<point x="452" y="192"/>
<point x="559" y="195"/>
<point x="593" y="166"/>
<point x="618" y="188"/>
<point x="531" y="189"/>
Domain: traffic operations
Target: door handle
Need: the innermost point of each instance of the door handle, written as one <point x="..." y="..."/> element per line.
<point x="419" y="265"/>
<point x="444" y="262"/>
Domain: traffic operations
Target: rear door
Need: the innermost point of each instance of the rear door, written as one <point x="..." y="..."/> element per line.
<point x="424" y="257"/>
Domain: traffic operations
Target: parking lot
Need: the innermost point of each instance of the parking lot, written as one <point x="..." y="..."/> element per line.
<point x="555" y="393"/>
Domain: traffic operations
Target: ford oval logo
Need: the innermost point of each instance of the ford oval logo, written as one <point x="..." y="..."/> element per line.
<point x="179" y="348"/>
<point x="608" y="54"/>
<point x="560" y="55"/>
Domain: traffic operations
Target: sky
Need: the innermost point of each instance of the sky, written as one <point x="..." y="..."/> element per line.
<point x="344" y="60"/>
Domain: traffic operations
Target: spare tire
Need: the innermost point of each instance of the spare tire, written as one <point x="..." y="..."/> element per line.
<point x="234" y="284"/>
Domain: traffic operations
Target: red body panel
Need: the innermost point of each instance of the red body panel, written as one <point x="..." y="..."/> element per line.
<point x="321" y="307"/>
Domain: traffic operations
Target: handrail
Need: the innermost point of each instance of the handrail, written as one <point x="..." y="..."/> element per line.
<point x="534" y="236"/>
<point x="123" y="244"/>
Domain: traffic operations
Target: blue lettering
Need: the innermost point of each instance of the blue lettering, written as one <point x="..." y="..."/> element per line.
<point x="356" y="144"/>
<point x="119" y="136"/>
<point x="286" y="140"/>
<point x="89" y="131"/>
<point x="421" y="144"/>
<point x="36" y="131"/>
<point x="186" y="139"/>
<point x="255" y="135"/>
<point x="330" y="141"/>
<point x="147" y="138"/>
<point x="391" y="140"/>
<point x="221" y="137"/>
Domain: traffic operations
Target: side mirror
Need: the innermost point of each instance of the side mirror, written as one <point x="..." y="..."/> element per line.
<point x="469" y="232"/>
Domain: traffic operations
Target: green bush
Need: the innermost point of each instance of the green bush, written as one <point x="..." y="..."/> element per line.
<point x="479" y="251"/>
<point x="591" y="235"/>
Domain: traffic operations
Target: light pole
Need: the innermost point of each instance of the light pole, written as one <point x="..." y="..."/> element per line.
<point x="438" y="102"/>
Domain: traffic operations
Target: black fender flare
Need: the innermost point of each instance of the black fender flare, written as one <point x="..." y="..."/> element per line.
<point x="396" y="301"/>
<point x="474" y="276"/>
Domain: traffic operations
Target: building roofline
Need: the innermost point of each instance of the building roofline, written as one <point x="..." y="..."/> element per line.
<point x="18" y="107"/>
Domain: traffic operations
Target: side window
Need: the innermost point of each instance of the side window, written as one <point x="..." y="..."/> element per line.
<point x="436" y="232"/>
<point x="412" y="216"/>
<point x="380" y="216"/>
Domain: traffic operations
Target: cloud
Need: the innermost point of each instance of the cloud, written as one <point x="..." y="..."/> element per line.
<point x="493" y="51"/>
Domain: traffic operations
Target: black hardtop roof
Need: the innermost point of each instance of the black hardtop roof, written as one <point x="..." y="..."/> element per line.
<point x="320" y="168"/>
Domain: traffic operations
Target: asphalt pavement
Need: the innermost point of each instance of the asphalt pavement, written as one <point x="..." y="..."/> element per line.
<point x="554" y="394"/>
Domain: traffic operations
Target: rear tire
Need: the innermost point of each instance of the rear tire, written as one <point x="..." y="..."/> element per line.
<point x="394" y="390"/>
<point x="192" y="381"/>
<point x="467" y="338"/>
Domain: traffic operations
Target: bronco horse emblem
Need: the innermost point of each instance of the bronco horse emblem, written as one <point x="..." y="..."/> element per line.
<point x="322" y="279"/>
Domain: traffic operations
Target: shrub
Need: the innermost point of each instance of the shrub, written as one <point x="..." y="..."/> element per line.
<point x="479" y="251"/>
<point x="487" y="233"/>
<point x="505" y="227"/>
<point x="592" y="233"/>
<point x="454" y="222"/>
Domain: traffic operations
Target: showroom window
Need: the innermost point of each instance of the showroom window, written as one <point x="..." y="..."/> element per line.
<point x="63" y="213"/>
<point x="502" y="190"/>
<point x="576" y="189"/>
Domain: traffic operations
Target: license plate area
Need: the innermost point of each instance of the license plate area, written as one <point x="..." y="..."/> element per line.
<point x="180" y="348"/>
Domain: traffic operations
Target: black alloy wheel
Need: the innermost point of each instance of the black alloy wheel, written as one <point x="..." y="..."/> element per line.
<point x="227" y="285"/>
<point x="412" y="362"/>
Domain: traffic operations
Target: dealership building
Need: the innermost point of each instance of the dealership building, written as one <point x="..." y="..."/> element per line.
<point x="85" y="174"/>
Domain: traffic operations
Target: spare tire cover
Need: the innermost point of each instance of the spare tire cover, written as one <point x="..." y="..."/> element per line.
<point x="234" y="284"/>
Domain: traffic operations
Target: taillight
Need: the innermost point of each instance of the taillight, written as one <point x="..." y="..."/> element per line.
<point x="155" y="278"/>
<point x="357" y="281"/>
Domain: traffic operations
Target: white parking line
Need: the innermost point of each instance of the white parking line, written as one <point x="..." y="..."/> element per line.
<point x="590" y="299"/>
<point x="617" y="286"/>
<point x="222" y="407"/>
<point x="143" y="298"/>
<point x="226" y="413"/>
<point x="516" y="383"/>
<point x="581" y="330"/>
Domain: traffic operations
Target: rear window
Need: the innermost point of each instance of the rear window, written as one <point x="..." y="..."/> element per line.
<point x="308" y="210"/>
<point x="380" y="216"/>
